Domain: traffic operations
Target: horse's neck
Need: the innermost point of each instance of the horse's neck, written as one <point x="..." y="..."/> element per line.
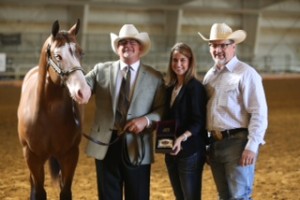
<point x="54" y="91"/>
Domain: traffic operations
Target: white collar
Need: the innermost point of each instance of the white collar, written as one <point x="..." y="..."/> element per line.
<point x="133" y="66"/>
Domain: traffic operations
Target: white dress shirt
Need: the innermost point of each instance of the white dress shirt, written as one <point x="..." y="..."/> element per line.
<point x="236" y="99"/>
<point x="134" y="69"/>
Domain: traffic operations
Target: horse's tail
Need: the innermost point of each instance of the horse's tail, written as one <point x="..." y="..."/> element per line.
<point x="54" y="168"/>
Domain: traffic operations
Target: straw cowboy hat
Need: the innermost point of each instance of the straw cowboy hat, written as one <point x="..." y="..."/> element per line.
<point x="128" y="31"/>
<point x="221" y="31"/>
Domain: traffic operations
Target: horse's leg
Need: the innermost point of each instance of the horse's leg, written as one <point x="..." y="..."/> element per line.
<point x="68" y="165"/>
<point x="36" y="193"/>
<point x="37" y="175"/>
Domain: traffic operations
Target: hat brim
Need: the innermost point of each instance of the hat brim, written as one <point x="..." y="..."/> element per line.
<point x="142" y="38"/>
<point x="237" y="36"/>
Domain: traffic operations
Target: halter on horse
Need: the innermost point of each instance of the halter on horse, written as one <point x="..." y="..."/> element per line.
<point x="47" y="127"/>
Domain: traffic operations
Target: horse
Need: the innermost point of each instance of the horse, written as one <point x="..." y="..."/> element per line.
<point x="49" y="118"/>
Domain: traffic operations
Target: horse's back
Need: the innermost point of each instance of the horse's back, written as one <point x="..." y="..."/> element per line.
<point x="28" y="94"/>
<point x="26" y="108"/>
<point x="30" y="77"/>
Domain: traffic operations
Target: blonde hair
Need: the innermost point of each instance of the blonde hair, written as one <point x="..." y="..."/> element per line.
<point x="184" y="49"/>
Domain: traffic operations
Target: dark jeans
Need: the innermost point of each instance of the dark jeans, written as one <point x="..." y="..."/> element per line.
<point x="186" y="175"/>
<point x="112" y="175"/>
<point x="233" y="181"/>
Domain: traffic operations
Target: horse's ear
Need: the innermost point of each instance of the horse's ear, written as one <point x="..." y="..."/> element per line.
<point x="75" y="28"/>
<point x="55" y="28"/>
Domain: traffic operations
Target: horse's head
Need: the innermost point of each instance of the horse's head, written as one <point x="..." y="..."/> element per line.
<point x="64" y="62"/>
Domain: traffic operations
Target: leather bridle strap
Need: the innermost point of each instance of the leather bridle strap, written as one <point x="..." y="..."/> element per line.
<point x="57" y="68"/>
<point x="100" y="142"/>
<point x="121" y="135"/>
<point x="140" y="155"/>
<point x="77" y="122"/>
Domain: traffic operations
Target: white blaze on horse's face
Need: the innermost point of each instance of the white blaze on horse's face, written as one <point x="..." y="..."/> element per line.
<point x="76" y="83"/>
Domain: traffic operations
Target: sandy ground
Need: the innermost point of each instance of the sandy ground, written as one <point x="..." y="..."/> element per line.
<point x="278" y="167"/>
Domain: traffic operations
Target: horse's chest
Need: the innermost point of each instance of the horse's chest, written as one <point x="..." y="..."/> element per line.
<point x="58" y="110"/>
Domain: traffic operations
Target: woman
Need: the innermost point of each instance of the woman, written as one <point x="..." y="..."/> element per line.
<point x="186" y="103"/>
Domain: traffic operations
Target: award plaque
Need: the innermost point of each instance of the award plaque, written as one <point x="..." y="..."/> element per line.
<point x="165" y="136"/>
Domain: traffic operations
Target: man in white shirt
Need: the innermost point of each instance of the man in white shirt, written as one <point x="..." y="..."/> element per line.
<point x="236" y="114"/>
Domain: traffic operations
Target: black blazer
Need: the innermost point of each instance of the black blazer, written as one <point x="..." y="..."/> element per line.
<point x="189" y="110"/>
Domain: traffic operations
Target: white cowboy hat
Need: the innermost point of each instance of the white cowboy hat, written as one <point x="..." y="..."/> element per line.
<point x="129" y="31"/>
<point x="221" y="31"/>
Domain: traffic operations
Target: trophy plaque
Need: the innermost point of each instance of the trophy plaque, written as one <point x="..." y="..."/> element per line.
<point x="165" y="136"/>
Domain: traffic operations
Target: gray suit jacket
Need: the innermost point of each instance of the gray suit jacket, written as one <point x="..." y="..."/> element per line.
<point x="147" y="100"/>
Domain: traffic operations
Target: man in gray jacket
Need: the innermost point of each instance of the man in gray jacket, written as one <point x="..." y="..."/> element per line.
<point x="127" y="160"/>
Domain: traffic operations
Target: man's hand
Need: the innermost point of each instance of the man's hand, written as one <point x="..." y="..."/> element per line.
<point x="136" y="125"/>
<point x="248" y="158"/>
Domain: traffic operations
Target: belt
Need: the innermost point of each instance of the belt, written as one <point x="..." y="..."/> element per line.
<point x="220" y="135"/>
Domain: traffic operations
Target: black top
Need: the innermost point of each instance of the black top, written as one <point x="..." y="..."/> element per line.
<point x="189" y="110"/>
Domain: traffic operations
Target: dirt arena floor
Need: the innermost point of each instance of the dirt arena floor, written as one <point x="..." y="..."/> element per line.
<point x="278" y="167"/>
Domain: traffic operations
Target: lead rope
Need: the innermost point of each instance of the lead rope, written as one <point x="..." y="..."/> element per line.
<point x="77" y="122"/>
<point x="121" y="134"/>
<point x="125" y="157"/>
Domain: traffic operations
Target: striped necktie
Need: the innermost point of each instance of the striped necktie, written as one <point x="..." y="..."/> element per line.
<point x="124" y="99"/>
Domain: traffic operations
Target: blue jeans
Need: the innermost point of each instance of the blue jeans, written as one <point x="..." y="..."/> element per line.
<point x="186" y="175"/>
<point x="233" y="181"/>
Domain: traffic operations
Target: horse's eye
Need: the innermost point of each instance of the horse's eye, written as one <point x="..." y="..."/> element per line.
<point x="58" y="57"/>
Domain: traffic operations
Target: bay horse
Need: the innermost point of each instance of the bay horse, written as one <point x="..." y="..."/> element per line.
<point x="49" y="122"/>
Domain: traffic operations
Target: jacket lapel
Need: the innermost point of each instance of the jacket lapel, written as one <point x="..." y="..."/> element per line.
<point x="179" y="96"/>
<point x="113" y="76"/>
<point x="139" y="82"/>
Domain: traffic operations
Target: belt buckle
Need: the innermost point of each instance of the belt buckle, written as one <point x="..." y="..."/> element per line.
<point x="217" y="135"/>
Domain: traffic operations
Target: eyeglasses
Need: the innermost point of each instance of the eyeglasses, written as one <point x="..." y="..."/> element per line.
<point x="222" y="46"/>
<point x="128" y="41"/>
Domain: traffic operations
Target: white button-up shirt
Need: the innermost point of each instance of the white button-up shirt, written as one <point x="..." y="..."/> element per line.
<point x="133" y="71"/>
<point x="237" y="100"/>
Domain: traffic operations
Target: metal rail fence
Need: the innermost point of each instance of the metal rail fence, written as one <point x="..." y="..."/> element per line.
<point x="23" y="55"/>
